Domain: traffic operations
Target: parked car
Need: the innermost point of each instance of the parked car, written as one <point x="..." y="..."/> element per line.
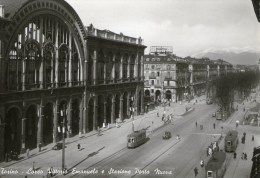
<point x="209" y="101"/>
<point x="167" y="135"/>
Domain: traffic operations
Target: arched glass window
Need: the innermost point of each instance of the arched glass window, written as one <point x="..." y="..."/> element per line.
<point x="75" y="69"/>
<point x="63" y="56"/>
<point x="12" y="70"/>
<point x="32" y="64"/>
<point x="100" y="67"/>
<point x="125" y="64"/>
<point x="49" y="64"/>
<point x="117" y="67"/>
<point x="109" y="67"/>
<point x="132" y="66"/>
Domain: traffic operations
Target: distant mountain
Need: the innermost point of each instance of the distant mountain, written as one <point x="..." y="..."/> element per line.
<point x="243" y="57"/>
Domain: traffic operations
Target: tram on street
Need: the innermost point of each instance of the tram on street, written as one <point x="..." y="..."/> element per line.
<point x="231" y="141"/>
<point x="136" y="138"/>
<point x="216" y="166"/>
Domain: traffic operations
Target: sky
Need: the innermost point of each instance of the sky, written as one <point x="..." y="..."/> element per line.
<point x="189" y="26"/>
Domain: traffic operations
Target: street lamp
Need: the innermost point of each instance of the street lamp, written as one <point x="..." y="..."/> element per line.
<point x="132" y="110"/>
<point x="63" y="114"/>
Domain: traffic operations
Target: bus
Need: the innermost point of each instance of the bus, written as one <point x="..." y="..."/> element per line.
<point x="136" y="138"/>
<point x="216" y="166"/>
<point x="231" y="141"/>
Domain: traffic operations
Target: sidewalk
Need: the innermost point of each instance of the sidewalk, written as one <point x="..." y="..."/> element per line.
<point x="93" y="142"/>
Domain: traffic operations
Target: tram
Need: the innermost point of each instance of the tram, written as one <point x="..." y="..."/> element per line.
<point x="136" y="138"/>
<point x="216" y="166"/>
<point x="231" y="141"/>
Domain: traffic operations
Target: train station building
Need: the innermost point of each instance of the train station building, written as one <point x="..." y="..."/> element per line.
<point x="55" y="69"/>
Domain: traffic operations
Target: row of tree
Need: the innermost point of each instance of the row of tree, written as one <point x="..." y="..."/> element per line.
<point x="240" y="83"/>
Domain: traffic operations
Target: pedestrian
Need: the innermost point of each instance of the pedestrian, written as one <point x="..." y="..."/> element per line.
<point x="6" y="157"/>
<point x="33" y="166"/>
<point x="40" y="147"/>
<point x="196" y="171"/>
<point x="50" y="171"/>
<point x="245" y="156"/>
<point x="196" y="123"/>
<point x="207" y="152"/>
<point x="162" y="117"/>
<point x="253" y="138"/>
<point x="158" y="114"/>
<point x="79" y="146"/>
<point x="28" y="152"/>
<point x="202" y="163"/>
<point x="235" y="155"/>
<point x="98" y="129"/>
<point x="214" y="125"/>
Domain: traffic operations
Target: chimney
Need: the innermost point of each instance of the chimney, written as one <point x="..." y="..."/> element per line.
<point x="2" y="12"/>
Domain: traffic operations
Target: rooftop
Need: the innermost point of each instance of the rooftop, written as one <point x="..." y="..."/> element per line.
<point x="106" y="34"/>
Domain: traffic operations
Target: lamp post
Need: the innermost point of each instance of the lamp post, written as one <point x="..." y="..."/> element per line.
<point x="63" y="114"/>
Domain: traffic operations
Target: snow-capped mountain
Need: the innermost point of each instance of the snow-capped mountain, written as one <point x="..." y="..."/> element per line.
<point x="234" y="55"/>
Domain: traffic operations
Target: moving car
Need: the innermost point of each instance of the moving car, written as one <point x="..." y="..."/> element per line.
<point x="167" y="135"/>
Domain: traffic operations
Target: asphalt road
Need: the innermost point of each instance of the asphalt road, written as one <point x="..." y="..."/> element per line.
<point x="168" y="158"/>
<point x="157" y="157"/>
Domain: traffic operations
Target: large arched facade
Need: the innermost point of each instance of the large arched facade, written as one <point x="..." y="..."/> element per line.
<point x="43" y="52"/>
<point x="56" y="72"/>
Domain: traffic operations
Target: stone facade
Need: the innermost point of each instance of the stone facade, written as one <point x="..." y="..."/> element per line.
<point x="54" y="69"/>
<point x="170" y="77"/>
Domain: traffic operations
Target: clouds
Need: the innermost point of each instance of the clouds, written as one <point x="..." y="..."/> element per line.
<point x="189" y="26"/>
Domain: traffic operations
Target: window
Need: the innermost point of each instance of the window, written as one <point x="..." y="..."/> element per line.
<point x="152" y="74"/>
<point x="158" y="74"/>
<point x="152" y="90"/>
<point x="168" y="83"/>
<point x="152" y="66"/>
<point x="168" y="67"/>
<point x="152" y="82"/>
<point x="158" y="82"/>
<point x="168" y="74"/>
<point x="209" y="174"/>
<point x="229" y="143"/>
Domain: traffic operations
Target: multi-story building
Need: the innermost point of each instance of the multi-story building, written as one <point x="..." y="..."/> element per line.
<point x="168" y="76"/>
<point x="56" y="70"/>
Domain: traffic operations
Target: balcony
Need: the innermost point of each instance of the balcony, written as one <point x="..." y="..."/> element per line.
<point x="168" y="78"/>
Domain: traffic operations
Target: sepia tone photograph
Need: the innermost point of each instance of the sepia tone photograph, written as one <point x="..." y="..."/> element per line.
<point x="130" y="88"/>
